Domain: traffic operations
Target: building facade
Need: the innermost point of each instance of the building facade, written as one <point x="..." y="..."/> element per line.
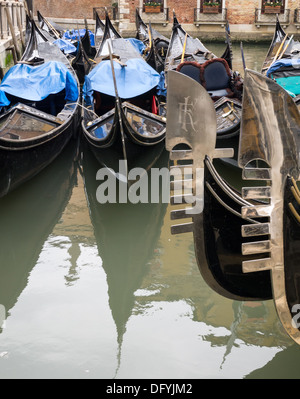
<point x="248" y="19"/>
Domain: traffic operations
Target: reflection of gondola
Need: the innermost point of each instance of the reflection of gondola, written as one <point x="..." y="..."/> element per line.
<point x="190" y="57"/>
<point x="126" y="236"/>
<point x="121" y="120"/>
<point x="284" y="365"/>
<point x="156" y="43"/>
<point x="265" y="228"/>
<point x="39" y="119"/>
<point x="28" y="216"/>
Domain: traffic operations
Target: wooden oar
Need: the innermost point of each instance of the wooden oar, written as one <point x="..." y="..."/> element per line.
<point x="150" y="36"/>
<point x="51" y="27"/>
<point x="184" y="47"/>
<point x="284" y="50"/>
<point x="279" y="50"/>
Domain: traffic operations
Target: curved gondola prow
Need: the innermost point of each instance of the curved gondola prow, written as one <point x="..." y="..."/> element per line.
<point x="278" y="145"/>
<point x="81" y="63"/>
<point x="141" y="27"/>
<point x="86" y="42"/>
<point x="48" y="26"/>
<point x="99" y="29"/>
<point x="31" y="49"/>
<point x="278" y="37"/>
<point x="186" y="125"/>
<point x="109" y="33"/>
<point x="228" y="53"/>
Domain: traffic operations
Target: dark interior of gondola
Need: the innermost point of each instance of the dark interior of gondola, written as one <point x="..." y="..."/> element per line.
<point x="103" y="103"/>
<point x="53" y="104"/>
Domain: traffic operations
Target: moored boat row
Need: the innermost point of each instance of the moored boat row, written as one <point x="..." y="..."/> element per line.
<point x="246" y="241"/>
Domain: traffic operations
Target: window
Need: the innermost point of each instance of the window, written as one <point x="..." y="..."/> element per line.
<point x="156" y="4"/>
<point x="212" y="4"/>
<point x="273" y="6"/>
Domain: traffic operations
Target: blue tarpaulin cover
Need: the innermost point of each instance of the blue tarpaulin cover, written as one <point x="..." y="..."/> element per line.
<point x="284" y="63"/>
<point x="35" y="83"/>
<point x="73" y="35"/>
<point x="134" y="79"/>
<point x="137" y="44"/>
<point x="65" y="45"/>
<point x="290" y="83"/>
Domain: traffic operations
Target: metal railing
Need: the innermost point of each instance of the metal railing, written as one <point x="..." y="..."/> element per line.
<point x="12" y="18"/>
<point x="261" y="17"/>
<point x="220" y="17"/>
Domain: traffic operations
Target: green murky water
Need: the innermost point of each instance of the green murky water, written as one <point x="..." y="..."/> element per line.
<point x="105" y="291"/>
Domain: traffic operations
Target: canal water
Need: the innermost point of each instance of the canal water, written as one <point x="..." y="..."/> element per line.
<point x="105" y="291"/>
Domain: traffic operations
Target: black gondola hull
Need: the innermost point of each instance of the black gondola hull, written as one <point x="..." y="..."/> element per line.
<point x="217" y="234"/>
<point x="134" y="149"/>
<point x="18" y="164"/>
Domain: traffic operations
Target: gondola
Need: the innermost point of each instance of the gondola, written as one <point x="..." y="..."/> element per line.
<point x="54" y="30"/>
<point x="189" y="56"/>
<point x="246" y="241"/>
<point x="121" y="122"/>
<point x="36" y="124"/>
<point x="216" y="216"/>
<point x="81" y="63"/>
<point x="47" y="34"/>
<point x="29" y="215"/>
<point x="99" y="30"/>
<point x="282" y="62"/>
<point x="156" y="43"/>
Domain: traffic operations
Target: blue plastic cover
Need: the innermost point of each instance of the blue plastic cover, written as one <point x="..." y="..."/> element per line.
<point x="66" y="46"/>
<point x="134" y="79"/>
<point x="161" y="88"/>
<point x="291" y="84"/>
<point x="35" y="83"/>
<point x="284" y="62"/>
<point x="137" y="44"/>
<point x="73" y="35"/>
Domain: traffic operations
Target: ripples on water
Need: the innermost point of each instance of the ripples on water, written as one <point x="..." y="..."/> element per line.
<point x="105" y="291"/>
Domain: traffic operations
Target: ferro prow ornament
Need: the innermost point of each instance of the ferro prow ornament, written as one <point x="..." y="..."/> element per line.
<point x="270" y="133"/>
<point x="216" y="218"/>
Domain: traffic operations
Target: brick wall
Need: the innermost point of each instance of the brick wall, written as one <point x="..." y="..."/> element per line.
<point x="69" y="8"/>
<point x="241" y="15"/>
<point x="183" y="9"/>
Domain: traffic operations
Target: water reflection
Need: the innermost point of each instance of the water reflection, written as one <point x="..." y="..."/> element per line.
<point x="126" y="235"/>
<point x="105" y="291"/>
<point x="28" y="216"/>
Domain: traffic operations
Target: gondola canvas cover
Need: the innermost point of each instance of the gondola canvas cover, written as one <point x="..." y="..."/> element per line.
<point x="134" y="79"/>
<point x="290" y="70"/>
<point x="73" y="34"/>
<point x="35" y="83"/>
<point x="66" y="46"/>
